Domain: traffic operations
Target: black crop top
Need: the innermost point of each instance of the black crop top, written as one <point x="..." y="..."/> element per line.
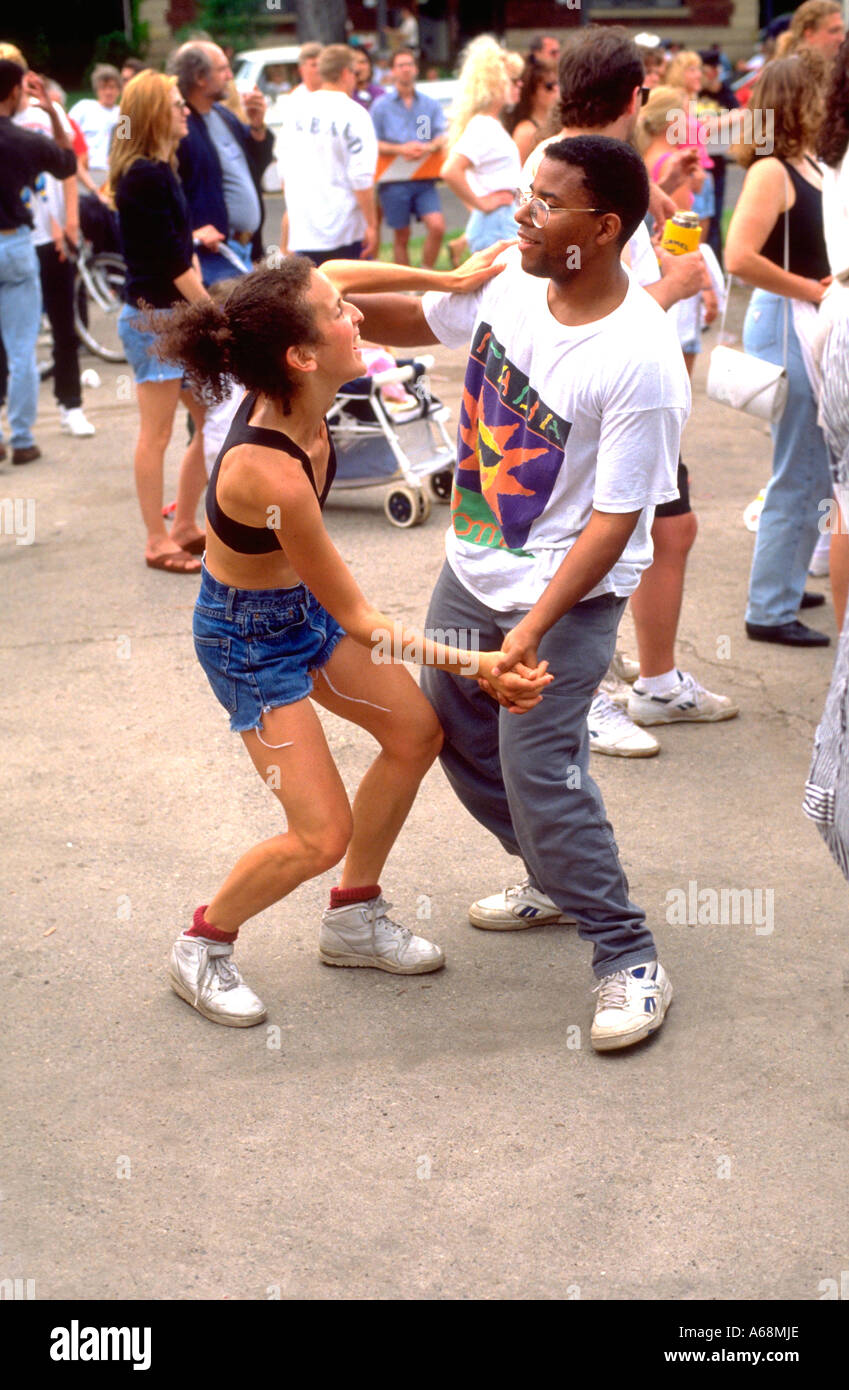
<point x="257" y="540"/>
<point x="806" y="240"/>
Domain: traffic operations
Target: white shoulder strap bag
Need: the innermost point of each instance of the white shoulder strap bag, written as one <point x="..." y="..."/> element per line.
<point x="745" y="382"/>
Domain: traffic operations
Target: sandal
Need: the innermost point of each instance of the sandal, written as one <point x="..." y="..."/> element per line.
<point x="174" y="562"/>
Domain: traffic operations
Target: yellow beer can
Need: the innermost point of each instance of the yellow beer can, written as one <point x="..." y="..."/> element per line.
<point x="682" y="233"/>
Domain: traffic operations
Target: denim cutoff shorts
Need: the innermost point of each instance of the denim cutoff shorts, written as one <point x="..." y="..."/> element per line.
<point x="137" y="345"/>
<point x="258" y="646"/>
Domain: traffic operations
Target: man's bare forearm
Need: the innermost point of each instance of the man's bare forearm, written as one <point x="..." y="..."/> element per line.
<point x="395" y="319"/>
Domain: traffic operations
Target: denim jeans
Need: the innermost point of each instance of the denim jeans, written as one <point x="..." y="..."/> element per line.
<point x="526" y="777"/>
<point x="214" y="267"/>
<point x="20" y="318"/>
<point x="789" y="523"/>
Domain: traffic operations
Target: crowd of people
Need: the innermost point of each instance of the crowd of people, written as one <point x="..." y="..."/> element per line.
<point x="582" y="333"/>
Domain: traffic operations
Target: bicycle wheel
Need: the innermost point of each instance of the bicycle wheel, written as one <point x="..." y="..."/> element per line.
<point x="98" y="302"/>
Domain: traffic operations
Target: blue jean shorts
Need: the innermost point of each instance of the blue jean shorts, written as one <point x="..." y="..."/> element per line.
<point x="483" y="229"/>
<point x="410" y="198"/>
<point x="137" y="346"/>
<point x="258" y="646"/>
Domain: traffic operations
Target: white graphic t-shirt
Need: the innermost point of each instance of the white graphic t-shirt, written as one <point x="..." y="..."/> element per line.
<point x="556" y="421"/>
<point x="326" y="149"/>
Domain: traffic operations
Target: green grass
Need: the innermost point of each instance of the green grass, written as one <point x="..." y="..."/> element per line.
<point x="443" y="261"/>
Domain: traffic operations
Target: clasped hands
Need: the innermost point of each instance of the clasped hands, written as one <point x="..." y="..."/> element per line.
<point x="514" y="676"/>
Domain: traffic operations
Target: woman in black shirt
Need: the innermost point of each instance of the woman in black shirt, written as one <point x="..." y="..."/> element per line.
<point x="156" y="238"/>
<point x="782" y="197"/>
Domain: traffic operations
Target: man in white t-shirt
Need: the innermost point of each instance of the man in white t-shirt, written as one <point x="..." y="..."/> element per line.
<point x="600" y="92"/>
<point x="327" y="167"/>
<point x="574" y="399"/>
<point x="97" y="118"/>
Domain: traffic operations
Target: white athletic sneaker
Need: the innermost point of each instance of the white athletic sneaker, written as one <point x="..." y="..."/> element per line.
<point x="631" y="1004"/>
<point x="517" y="907"/>
<point x="362" y="934"/>
<point x="687" y="702"/>
<point x="203" y="974"/>
<point x="612" y="732"/>
<point x="624" y="668"/>
<point x="74" y="422"/>
<point x="615" y="689"/>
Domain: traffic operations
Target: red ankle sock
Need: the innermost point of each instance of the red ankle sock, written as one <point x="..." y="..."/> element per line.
<point x="341" y="897"/>
<point x="200" y="927"/>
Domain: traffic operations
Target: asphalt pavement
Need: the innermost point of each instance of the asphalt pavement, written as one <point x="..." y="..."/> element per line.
<point x="445" y="1136"/>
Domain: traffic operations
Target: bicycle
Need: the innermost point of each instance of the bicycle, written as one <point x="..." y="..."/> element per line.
<point x="98" y="300"/>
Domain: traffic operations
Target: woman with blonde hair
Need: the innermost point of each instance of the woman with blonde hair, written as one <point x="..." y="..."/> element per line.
<point x="483" y="166"/>
<point x="776" y="244"/>
<point x="685" y="72"/>
<point x="157" y="244"/>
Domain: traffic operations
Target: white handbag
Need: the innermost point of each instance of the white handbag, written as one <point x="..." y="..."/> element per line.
<point x="745" y="382"/>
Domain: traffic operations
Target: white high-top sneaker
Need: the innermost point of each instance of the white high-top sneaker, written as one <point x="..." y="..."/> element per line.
<point x="203" y="974"/>
<point x="362" y="934"/>
<point x="631" y="1004"/>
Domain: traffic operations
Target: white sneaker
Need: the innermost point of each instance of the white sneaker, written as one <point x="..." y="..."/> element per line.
<point x="362" y="934"/>
<point x="203" y="974"/>
<point x="615" y="689"/>
<point x="687" y="702"/>
<point x="624" y="668"/>
<point x="631" y="1004"/>
<point x="612" y="732"/>
<point x="74" y="422"/>
<point x="517" y="907"/>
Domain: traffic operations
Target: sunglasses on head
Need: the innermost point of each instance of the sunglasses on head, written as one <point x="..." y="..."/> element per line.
<point x="645" y="93"/>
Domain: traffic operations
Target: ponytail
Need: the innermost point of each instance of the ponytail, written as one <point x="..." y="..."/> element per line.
<point x="242" y="333"/>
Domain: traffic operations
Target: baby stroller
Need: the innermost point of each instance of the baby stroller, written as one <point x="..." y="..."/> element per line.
<point x="404" y="441"/>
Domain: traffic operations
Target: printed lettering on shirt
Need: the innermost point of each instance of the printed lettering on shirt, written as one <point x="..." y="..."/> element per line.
<point x="511" y="448"/>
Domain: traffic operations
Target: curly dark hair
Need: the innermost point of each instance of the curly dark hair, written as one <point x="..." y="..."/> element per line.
<point x="242" y="332"/>
<point x="834" y="131"/>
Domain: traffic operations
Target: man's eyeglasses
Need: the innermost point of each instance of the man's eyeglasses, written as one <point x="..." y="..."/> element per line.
<point x="540" y="211"/>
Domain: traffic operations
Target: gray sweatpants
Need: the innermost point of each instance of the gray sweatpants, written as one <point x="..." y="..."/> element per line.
<point x="526" y="776"/>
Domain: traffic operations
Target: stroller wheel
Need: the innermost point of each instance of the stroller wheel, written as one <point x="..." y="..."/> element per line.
<point x="406" y="506"/>
<point x="441" y="484"/>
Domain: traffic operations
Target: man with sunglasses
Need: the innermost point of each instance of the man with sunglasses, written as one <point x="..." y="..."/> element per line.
<point x="574" y="399"/>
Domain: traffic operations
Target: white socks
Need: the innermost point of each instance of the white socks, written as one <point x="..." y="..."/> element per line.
<point x="658" y="685"/>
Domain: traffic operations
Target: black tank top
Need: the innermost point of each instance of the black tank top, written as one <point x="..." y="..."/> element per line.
<point x="807" y="254"/>
<point x="257" y="540"/>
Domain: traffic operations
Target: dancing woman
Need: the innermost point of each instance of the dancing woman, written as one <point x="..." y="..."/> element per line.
<point x="280" y="625"/>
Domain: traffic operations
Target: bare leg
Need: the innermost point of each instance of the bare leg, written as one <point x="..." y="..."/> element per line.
<point x="157" y="404"/>
<point x="656" y="603"/>
<point x="192" y="479"/>
<point x="409" y="736"/>
<point x="838" y="569"/>
<point x="306" y="781"/>
<point x="307" y="784"/>
<point x="434" y="224"/>
<point x="400" y="245"/>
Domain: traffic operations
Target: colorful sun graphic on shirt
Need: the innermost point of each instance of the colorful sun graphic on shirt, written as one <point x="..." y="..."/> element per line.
<point x="510" y="450"/>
